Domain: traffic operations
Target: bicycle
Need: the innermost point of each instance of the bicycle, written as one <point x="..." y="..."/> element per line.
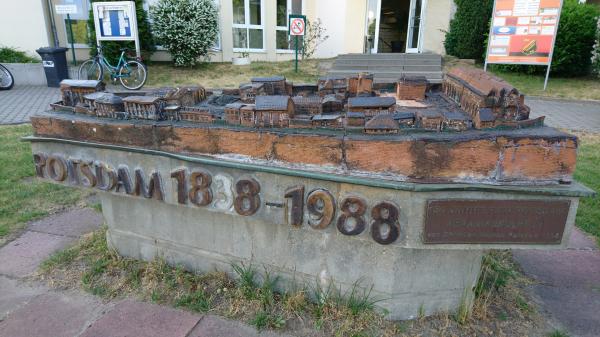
<point x="6" y="78"/>
<point x="130" y="72"/>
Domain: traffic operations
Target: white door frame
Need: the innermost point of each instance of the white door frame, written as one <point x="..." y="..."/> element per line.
<point x="378" y="16"/>
<point x="411" y="18"/>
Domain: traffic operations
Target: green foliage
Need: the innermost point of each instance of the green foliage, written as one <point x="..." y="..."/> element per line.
<point x="596" y="51"/>
<point x="13" y="55"/>
<point x="196" y="301"/>
<point x="558" y="333"/>
<point x="264" y="319"/>
<point x="574" y="42"/>
<point x="187" y="28"/>
<point x="111" y="48"/>
<point x="588" y="157"/>
<point x="496" y="270"/>
<point x="314" y="36"/>
<point x="246" y="279"/>
<point x="469" y="29"/>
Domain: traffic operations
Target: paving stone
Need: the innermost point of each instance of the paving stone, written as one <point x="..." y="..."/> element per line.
<point x="214" y="326"/>
<point x="73" y="223"/>
<point x="22" y="256"/>
<point x="132" y="319"/>
<point x="14" y="295"/>
<point x="580" y="240"/>
<point x="567" y="114"/>
<point x="54" y="315"/>
<point x="24" y="100"/>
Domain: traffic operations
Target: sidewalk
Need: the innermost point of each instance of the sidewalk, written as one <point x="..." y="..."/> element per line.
<point x="31" y="309"/>
<point x="20" y="102"/>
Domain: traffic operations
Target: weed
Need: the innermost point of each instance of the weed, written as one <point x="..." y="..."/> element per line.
<point x="359" y="299"/>
<point x="267" y="290"/>
<point x="247" y="282"/>
<point x="523" y="305"/>
<point x="196" y="301"/>
<point x="495" y="273"/>
<point x="264" y="319"/>
<point x="421" y="313"/>
<point x="464" y="311"/>
<point x="62" y="257"/>
<point x="558" y="333"/>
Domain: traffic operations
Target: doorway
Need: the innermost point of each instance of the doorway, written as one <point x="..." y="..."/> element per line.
<point x="394" y="26"/>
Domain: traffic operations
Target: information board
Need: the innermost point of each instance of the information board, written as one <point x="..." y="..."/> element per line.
<point x="116" y="21"/>
<point x="523" y="31"/>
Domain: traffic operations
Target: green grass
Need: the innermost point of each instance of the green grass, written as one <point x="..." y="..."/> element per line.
<point x="22" y="198"/>
<point x="558" y="333"/>
<point x="587" y="172"/>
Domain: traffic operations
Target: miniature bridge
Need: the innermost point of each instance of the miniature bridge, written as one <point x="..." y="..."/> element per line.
<point x="388" y="67"/>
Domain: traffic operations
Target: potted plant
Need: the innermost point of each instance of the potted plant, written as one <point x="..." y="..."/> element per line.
<point x="242" y="60"/>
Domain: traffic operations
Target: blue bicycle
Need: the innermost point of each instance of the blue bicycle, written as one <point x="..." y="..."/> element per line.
<point x="131" y="73"/>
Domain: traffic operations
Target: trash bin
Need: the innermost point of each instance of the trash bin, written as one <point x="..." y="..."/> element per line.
<point x="54" y="60"/>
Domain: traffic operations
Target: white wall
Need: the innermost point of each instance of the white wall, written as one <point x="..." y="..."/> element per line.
<point x="23" y="25"/>
<point x="437" y="22"/>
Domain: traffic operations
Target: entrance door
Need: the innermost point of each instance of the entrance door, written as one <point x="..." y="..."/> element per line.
<point x="413" y="39"/>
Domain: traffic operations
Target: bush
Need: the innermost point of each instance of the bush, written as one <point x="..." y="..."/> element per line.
<point x="469" y="29"/>
<point x="111" y="48"/>
<point x="574" y="42"/>
<point x="187" y="28"/>
<point x="12" y="55"/>
<point x="596" y="52"/>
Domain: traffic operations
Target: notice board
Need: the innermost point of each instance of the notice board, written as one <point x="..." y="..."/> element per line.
<point x="523" y="31"/>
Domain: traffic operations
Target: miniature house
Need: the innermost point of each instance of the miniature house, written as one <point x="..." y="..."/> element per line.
<point x="484" y="119"/>
<point x="361" y="84"/>
<point x="331" y="103"/>
<point x="405" y="119"/>
<point x="309" y="105"/>
<point x="172" y="112"/>
<point x="355" y="119"/>
<point x="109" y="105"/>
<point x="249" y="91"/>
<point x="304" y="89"/>
<point x="191" y="95"/>
<point x="247" y="114"/>
<point x="72" y="91"/>
<point x="455" y="121"/>
<point x="272" y="85"/>
<point x="382" y="124"/>
<point x="144" y="107"/>
<point x="273" y="111"/>
<point x="232" y="113"/>
<point x="411" y="88"/>
<point x="332" y="86"/>
<point x="87" y="106"/>
<point x="197" y="115"/>
<point x="372" y="106"/>
<point x="429" y="120"/>
<point x="329" y="121"/>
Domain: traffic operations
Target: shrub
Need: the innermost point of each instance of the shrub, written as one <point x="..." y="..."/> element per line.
<point x="111" y="48"/>
<point x="187" y="28"/>
<point x="13" y="55"/>
<point x="574" y="42"/>
<point x="596" y="52"/>
<point x="315" y="35"/>
<point x="469" y="29"/>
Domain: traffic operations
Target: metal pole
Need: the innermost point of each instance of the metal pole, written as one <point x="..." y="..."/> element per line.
<point x="72" y="40"/>
<point x="547" y="76"/>
<point x="296" y="53"/>
<point x="52" y="23"/>
<point x="489" y="37"/>
<point x="553" y="42"/>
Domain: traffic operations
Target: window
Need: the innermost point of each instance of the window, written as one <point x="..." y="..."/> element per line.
<point x="248" y="27"/>
<point x="284" y="9"/>
<point x="78" y="22"/>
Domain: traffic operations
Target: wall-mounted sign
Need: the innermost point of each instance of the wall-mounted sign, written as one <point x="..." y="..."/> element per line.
<point x="65" y="9"/>
<point x="116" y="21"/>
<point x="523" y="31"/>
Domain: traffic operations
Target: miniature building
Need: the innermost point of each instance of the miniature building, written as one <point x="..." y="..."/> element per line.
<point x="332" y="86"/>
<point x="72" y="91"/>
<point x="301" y="122"/>
<point x="484" y="119"/>
<point x="172" y="112"/>
<point x="372" y="106"/>
<point x="272" y="85"/>
<point x="247" y="114"/>
<point x="331" y="103"/>
<point x="429" y="120"/>
<point x="474" y="89"/>
<point x="411" y="88"/>
<point x="361" y="84"/>
<point x="309" y="105"/>
<point x="168" y="94"/>
<point x="249" y="91"/>
<point x="274" y="111"/>
<point x="330" y="121"/>
<point x="232" y="113"/>
<point x="382" y="124"/>
<point x="455" y="121"/>
<point x="355" y="119"/>
<point x="405" y="119"/>
<point x="87" y="106"/>
<point x="304" y="90"/>
<point x="191" y="95"/>
<point x="109" y="105"/>
<point x="144" y="107"/>
<point x="198" y="115"/>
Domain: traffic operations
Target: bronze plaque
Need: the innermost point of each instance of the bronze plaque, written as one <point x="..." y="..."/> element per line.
<point x="495" y="221"/>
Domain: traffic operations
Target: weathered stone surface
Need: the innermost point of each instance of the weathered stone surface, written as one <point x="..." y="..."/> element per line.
<point x="129" y="318"/>
<point x="214" y="326"/>
<point x="72" y="223"/>
<point x="14" y="295"/>
<point x="309" y="149"/>
<point x="375" y="156"/>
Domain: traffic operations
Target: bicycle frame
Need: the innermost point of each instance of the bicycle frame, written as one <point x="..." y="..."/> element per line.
<point x="114" y="70"/>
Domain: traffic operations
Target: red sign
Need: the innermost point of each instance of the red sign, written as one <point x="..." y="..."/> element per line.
<point x="297" y="27"/>
<point x="523" y="31"/>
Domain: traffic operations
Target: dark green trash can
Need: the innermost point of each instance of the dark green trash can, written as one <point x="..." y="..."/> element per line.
<point x="54" y="60"/>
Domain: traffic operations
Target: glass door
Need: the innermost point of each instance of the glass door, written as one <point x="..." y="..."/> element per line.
<point x="372" y="26"/>
<point x="413" y="40"/>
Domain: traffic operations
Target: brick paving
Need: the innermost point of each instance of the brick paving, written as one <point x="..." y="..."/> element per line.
<point x="17" y="104"/>
<point x="572" y="115"/>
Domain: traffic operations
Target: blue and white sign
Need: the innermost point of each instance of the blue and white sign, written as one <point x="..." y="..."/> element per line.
<point x="116" y="21"/>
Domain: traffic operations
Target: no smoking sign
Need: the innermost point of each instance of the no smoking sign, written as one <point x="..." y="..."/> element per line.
<point x="297" y="25"/>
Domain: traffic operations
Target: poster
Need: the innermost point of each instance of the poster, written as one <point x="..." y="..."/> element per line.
<point x="114" y="20"/>
<point x="523" y="31"/>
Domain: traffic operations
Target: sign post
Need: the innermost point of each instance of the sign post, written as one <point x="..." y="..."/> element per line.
<point x="68" y="10"/>
<point x="297" y="27"/>
<point x="116" y="21"/>
<point x="523" y="32"/>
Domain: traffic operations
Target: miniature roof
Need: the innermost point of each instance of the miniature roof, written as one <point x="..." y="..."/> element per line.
<point x="141" y="99"/>
<point x="331" y="98"/>
<point x="268" y="79"/>
<point x="163" y="92"/>
<point x="332" y="78"/>
<point x="486" y="115"/>
<point x="454" y="115"/>
<point x="80" y="83"/>
<point x="382" y="122"/>
<point x="355" y="114"/>
<point x="305" y="100"/>
<point x="371" y="102"/>
<point x="108" y="98"/>
<point x="272" y="102"/>
<point x="480" y="81"/>
<point x="429" y="114"/>
<point x="403" y="115"/>
<point x="95" y="95"/>
<point x="252" y="85"/>
<point x="235" y="105"/>
<point x="363" y="75"/>
<point x="413" y="80"/>
<point x="330" y="117"/>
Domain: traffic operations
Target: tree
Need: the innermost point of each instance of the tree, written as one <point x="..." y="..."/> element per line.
<point x="469" y="29"/>
<point x="187" y="28"/>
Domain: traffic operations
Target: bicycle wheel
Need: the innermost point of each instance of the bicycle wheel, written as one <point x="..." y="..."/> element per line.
<point x="91" y="70"/>
<point x="133" y="75"/>
<point x="6" y="78"/>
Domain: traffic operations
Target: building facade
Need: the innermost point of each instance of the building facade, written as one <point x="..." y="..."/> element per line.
<point x="259" y="27"/>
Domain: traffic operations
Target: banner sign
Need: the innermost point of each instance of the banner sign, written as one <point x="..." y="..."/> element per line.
<point x="116" y="21"/>
<point x="523" y="31"/>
